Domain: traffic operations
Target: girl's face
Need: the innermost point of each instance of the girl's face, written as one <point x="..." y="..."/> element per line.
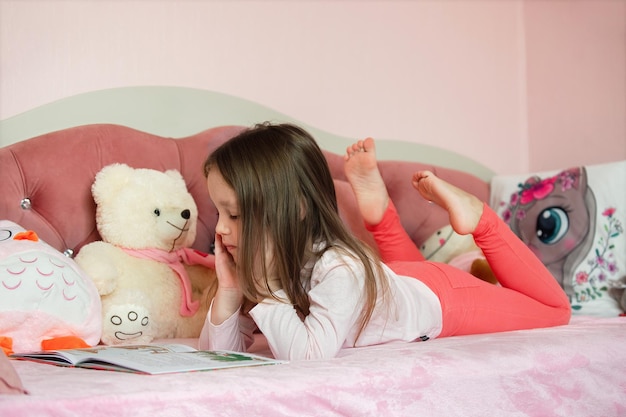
<point x="225" y="200"/>
<point x="227" y="228"/>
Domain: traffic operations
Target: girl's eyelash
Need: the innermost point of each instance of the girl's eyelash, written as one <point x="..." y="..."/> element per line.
<point x="231" y="216"/>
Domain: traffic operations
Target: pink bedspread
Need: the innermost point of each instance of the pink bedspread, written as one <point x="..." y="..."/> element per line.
<point x="574" y="370"/>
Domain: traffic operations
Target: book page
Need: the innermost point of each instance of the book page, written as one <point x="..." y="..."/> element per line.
<point x="157" y="361"/>
<point x="149" y="359"/>
<point x="76" y="356"/>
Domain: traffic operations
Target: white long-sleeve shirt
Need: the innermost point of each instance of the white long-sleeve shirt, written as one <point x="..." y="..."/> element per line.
<point x="337" y="298"/>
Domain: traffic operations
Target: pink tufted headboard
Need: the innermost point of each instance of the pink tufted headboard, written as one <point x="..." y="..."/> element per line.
<point x="46" y="181"/>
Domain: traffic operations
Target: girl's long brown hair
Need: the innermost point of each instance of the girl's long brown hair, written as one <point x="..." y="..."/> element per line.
<point x="287" y="200"/>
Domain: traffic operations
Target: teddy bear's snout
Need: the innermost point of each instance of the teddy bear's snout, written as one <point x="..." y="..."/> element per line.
<point x="185" y="214"/>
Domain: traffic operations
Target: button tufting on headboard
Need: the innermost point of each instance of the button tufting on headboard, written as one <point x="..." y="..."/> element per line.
<point x="25" y="204"/>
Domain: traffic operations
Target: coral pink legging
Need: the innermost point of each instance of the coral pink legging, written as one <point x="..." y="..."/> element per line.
<point x="528" y="295"/>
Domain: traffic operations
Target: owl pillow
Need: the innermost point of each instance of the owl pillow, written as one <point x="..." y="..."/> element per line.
<point x="573" y="220"/>
<point x="46" y="300"/>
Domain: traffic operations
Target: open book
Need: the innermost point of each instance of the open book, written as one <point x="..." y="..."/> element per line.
<point x="147" y="359"/>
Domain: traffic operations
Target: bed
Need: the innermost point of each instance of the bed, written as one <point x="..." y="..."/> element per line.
<point x="573" y="370"/>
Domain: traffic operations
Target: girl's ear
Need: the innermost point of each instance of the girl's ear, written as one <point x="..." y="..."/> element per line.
<point x="303" y="209"/>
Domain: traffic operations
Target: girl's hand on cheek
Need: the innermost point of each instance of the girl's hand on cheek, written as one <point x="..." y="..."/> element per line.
<point x="225" y="266"/>
<point x="229" y="296"/>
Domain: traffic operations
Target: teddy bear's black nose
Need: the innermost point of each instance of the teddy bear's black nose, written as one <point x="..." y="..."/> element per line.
<point x="185" y="214"/>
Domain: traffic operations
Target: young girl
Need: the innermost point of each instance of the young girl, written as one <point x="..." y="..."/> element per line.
<point x="287" y="265"/>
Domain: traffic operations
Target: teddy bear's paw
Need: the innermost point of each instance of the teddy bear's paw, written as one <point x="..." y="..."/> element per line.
<point x="97" y="259"/>
<point x="105" y="280"/>
<point x="123" y="324"/>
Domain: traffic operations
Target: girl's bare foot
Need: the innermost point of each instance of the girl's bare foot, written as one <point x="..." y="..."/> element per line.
<point x="369" y="188"/>
<point x="464" y="209"/>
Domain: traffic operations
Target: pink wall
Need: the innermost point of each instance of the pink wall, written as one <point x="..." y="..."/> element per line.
<point x="490" y="79"/>
<point x="576" y="68"/>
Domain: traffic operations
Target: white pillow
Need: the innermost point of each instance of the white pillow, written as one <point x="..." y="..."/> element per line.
<point x="573" y="220"/>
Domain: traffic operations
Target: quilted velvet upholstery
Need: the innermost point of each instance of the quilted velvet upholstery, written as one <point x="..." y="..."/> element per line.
<point x="46" y="181"/>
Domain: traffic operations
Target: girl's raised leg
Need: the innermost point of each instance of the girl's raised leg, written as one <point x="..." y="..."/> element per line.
<point x="528" y="296"/>
<point x="512" y="262"/>
<point x="377" y="209"/>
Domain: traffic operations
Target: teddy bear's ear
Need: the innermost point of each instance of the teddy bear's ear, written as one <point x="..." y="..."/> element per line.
<point x="110" y="180"/>
<point x="175" y="174"/>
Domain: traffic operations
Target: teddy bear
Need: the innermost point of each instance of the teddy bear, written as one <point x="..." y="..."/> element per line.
<point x="151" y="283"/>
<point x="46" y="300"/>
<point x="460" y="251"/>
